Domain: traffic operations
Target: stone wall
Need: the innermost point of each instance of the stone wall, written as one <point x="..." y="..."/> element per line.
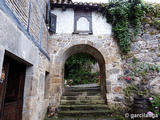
<point x="102" y="47"/>
<point x="18" y="42"/>
<point x="145" y="47"/>
<point x="30" y="16"/>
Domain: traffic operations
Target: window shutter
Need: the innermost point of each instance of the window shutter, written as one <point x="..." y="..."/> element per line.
<point x="48" y="13"/>
<point x="53" y="23"/>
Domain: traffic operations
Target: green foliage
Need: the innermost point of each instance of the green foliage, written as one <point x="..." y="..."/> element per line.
<point x="142" y="71"/>
<point x="122" y="14"/>
<point x="129" y="90"/>
<point x="78" y="68"/>
<point x="153" y="15"/>
<point x="134" y="60"/>
<point x="153" y="10"/>
<point x="155" y="105"/>
<point x="156" y="24"/>
<point x="132" y="90"/>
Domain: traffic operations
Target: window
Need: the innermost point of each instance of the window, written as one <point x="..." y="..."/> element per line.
<point x="46" y="89"/>
<point x="82" y="22"/>
<point x="50" y="19"/>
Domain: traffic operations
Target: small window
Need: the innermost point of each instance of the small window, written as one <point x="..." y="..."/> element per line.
<point x="52" y="26"/>
<point x="51" y="19"/>
<point x="46" y="89"/>
<point x="82" y="22"/>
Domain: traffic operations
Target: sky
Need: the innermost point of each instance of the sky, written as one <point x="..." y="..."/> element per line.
<point x="105" y="1"/>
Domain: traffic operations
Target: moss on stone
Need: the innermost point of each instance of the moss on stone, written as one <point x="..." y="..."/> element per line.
<point x="156" y="23"/>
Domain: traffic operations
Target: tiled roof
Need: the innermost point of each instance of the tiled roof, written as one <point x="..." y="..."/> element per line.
<point x="69" y="3"/>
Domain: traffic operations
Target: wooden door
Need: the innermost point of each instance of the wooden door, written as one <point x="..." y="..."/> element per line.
<point x="3" y="83"/>
<point x="14" y="88"/>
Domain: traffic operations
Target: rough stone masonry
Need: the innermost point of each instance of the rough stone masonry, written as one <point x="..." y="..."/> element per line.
<point x="24" y="34"/>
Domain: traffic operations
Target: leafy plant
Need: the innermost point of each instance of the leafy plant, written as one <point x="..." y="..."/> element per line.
<point x="78" y="69"/>
<point x="155" y="105"/>
<point x="122" y="14"/>
<point x="144" y="72"/>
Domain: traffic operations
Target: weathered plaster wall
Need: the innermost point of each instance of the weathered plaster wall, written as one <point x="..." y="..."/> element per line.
<point x="12" y="39"/>
<point x="65" y="22"/>
<point x="100" y="26"/>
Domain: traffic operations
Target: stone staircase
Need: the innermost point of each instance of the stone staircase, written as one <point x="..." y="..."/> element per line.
<point x="83" y="103"/>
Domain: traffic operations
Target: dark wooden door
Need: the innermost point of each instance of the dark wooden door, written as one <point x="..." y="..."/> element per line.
<point x="14" y="88"/>
<point x="3" y="83"/>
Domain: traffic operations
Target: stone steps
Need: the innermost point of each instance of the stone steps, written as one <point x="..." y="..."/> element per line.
<point x="81" y="97"/>
<point x="84" y="113"/>
<point x="84" y="118"/>
<point x="91" y="93"/>
<point x="83" y="107"/>
<point x="80" y="89"/>
<point x="82" y="101"/>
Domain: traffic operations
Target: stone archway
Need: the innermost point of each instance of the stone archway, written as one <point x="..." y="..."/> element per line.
<point x="83" y="48"/>
<point x="108" y="57"/>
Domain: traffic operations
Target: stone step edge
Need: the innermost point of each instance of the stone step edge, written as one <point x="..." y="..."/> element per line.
<point x="88" y="105"/>
<point x="82" y="99"/>
<point x="90" y="88"/>
<point x="85" y="112"/>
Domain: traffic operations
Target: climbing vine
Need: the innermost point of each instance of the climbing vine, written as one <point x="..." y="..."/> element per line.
<point x="123" y="15"/>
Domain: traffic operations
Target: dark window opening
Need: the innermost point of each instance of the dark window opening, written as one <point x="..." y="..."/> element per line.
<point x="46" y="85"/>
<point x="52" y="25"/>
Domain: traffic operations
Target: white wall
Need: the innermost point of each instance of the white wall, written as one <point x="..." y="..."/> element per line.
<point x="100" y="25"/>
<point x="152" y="1"/>
<point x="65" y="22"/>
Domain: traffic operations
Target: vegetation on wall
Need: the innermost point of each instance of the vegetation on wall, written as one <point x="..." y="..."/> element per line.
<point x="78" y="69"/>
<point x="152" y="16"/>
<point x="124" y="15"/>
<point x="138" y="76"/>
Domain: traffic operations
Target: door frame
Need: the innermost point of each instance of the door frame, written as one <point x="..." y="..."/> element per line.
<point x="19" y="99"/>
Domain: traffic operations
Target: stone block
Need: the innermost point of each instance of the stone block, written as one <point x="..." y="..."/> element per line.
<point x="117" y="89"/>
<point x="27" y="115"/>
<point x="2" y="51"/>
<point x="31" y="84"/>
<point x="27" y="104"/>
<point x="108" y="88"/>
<point x="57" y="80"/>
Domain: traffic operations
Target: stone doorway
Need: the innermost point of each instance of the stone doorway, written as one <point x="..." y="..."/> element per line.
<point x="12" y="89"/>
<point x="81" y="48"/>
<point x="75" y="99"/>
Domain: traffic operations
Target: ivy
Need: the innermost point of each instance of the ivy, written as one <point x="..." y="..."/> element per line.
<point x="124" y="15"/>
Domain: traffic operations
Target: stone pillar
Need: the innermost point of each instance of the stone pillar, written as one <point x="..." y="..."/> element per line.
<point x="2" y="52"/>
<point x="30" y="91"/>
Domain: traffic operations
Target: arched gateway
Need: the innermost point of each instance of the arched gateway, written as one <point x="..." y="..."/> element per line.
<point x="85" y="48"/>
<point x="107" y="56"/>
